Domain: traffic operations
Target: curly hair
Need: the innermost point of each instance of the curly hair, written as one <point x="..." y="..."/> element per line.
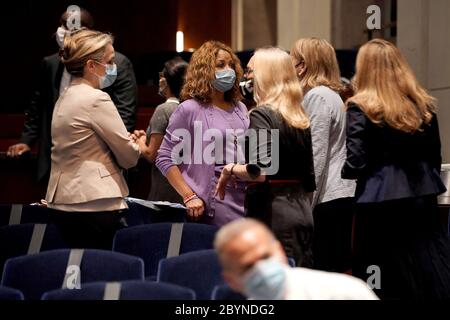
<point x="201" y="73"/>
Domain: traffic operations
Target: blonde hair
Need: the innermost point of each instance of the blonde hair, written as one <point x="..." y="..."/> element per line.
<point x="81" y="46"/>
<point x="321" y="66"/>
<point x="276" y="85"/>
<point x="201" y="73"/>
<point x="387" y="90"/>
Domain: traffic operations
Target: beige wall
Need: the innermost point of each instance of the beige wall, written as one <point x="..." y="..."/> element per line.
<point x="260" y="23"/>
<point x="303" y="18"/>
<point x="412" y="37"/>
<point x="349" y="19"/>
<point x="424" y="37"/>
<point x="342" y="22"/>
<point x="281" y="22"/>
<point x="254" y="23"/>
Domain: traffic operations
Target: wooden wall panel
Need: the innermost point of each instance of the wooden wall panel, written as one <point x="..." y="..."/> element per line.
<point x="202" y="20"/>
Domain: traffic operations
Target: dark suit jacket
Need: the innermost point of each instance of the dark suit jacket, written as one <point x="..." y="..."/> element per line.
<point x="38" y="116"/>
<point x="295" y="154"/>
<point x="390" y="164"/>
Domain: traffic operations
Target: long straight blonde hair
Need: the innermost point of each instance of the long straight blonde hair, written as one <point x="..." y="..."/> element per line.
<point x="276" y="85"/>
<point x="321" y="66"/>
<point x="387" y="90"/>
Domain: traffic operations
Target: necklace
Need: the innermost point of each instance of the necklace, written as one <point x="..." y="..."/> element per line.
<point x="229" y="117"/>
<point x="230" y="123"/>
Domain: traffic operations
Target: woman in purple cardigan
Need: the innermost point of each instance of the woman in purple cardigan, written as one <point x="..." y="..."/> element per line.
<point x="203" y="134"/>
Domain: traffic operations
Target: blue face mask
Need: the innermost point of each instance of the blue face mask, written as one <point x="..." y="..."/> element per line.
<point x="109" y="77"/>
<point x="224" y="80"/>
<point x="266" y="280"/>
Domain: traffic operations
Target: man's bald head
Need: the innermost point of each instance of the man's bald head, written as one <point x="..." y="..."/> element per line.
<point x="245" y="228"/>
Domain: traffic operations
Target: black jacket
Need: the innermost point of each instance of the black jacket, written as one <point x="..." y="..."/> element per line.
<point x="38" y="115"/>
<point x="295" y="156"/>
<point x="390" y="164"/>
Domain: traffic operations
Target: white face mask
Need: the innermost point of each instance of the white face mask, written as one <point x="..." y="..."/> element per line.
<point x="60" y="34"/>
<point x="109" y="77"/>
<point x="266" y="280"/>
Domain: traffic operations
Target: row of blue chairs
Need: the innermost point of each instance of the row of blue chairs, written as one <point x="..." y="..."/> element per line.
<point x="151" y="242"/>
<point x="56" y="274"/>
<point x="128" y="290"/>
<point x="138" y="214"/>
<point x="177" y="253"/>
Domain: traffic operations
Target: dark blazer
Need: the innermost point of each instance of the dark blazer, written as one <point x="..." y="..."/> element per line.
<point x="390" y="164"/>
<point x="295" y="154"/>
<point x="38" y="116"/>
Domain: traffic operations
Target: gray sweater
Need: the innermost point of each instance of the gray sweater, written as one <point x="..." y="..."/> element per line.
<point x="326" y="111"/>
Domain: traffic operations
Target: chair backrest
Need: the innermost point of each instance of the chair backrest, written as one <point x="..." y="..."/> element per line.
<point x="224" y="292"/>
<point x="125" y="290"/>
<point x="139" y="214"/>
<point x="291" y="262"/>
<point x="55" y="269"/>
<point x="198" y="270"/>
<point x="22" y="239"/>
<point x="12" y="214"/>
<point x="10" y="294"/>
<point x="151" y="242"/>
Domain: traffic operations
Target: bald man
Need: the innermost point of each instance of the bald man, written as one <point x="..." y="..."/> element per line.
<point x="255" y="265"/>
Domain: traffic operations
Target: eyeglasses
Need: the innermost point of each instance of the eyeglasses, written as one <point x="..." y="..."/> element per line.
<point x="109" y="67"/>
<point x="102" y="64"/>
<point x="248" y="71"/>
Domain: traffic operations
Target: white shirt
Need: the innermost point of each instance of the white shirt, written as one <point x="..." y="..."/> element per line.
<point x="308" y="284"/>
<point x="173" y="99"/>
<point x="111" y="204"/>
<point x="65" y="81"/>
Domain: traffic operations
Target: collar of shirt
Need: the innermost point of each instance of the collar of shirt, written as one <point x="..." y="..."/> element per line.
<point x="66" y="78"/>
<point x="172" y="99"/>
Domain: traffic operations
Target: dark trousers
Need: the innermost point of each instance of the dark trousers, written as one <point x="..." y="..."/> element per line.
<point x="88" y="230"/>
<point x="332" y="244"/>
<point x="404" y="239"/>
<point x="286" y="210"/>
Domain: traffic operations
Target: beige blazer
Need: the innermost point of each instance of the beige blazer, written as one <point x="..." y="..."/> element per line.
<point x="90" y="146"/>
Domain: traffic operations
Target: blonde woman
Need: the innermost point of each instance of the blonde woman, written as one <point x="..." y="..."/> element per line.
<point x="394" y="154"/>
<point x="318" y="71"/>
<point x="282" y="198"/>
<point x="211" y="103"/>
<point x="90" y="146"/>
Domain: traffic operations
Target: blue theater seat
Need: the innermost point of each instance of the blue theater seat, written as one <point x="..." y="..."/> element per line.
<point x="198" y="270"/>
<point x="291" y="262"/>
<point x="224" y="292"/>
<point x="151" y="242"/>
<point x="10" y="294"/>
<point x="139" y="214"/>
<point x="22" y="239"/>
<point x="38" y="273"/>
<point x="126" y="290"/>
<point x="11" y="214"/>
